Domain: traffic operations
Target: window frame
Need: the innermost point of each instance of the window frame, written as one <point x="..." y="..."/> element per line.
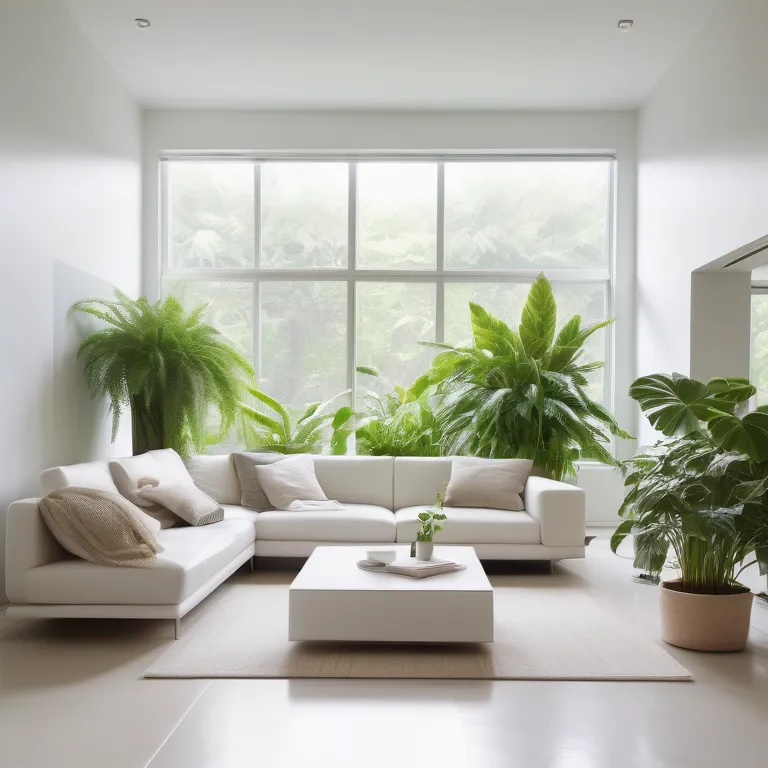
<point x="352" y="274"/>
<point x="757" y="288"/>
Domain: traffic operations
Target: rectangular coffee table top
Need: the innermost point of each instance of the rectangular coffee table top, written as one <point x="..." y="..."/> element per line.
<point x="335" y="569"/>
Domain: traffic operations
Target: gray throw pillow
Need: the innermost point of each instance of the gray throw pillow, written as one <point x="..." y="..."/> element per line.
<point x="487" y="483"/>
<point x="253" y="495"/>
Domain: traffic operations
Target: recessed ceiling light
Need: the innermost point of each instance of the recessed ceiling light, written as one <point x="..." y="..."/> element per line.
<point x="626" y="24"/>
<point x="143" y="23"/>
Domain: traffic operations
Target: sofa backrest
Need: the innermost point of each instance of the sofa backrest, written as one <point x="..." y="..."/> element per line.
<point x="89" y="474"/>
<point x="216" y="476"/>
<point x="378" y="480"/>
<point x="419" y="480"/>
<point x="350" y="479"/>
<point x="356" y="479"/>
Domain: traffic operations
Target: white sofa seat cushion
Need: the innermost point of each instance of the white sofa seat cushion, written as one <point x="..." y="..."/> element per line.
<point x="360" y="523"/>
<point x="236" y="512"/>
<point x="471" y="525"/>
<point x="192" y="557"/>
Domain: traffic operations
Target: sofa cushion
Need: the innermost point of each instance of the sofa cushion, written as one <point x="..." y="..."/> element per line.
<point x="163" y="465"/>
<point x="357" y="479"/>
<point x="186" y="501"/>
<point x="290" y="480"/>
<point x="91" y="474"/>
<point x="356" y="522"/>
<point x="419" y="480"/>
<point x="236" y="512"/>
<point x="470" y="525"/>
<point x="348" y="479"/>
<point x="101" y="527"/>
<point x="252" y="494"/>
<point x="216" y="476"/>
<point x="487" y="483"/>
<point x="192" y="557"/>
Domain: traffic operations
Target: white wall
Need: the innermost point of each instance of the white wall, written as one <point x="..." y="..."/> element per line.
<point x="70" y="207"/>
<point x="702" y="173"/>
<point x="721" y="317"/>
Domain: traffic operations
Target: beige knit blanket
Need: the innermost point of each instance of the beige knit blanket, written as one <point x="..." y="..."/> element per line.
<point x="100" y="527"/>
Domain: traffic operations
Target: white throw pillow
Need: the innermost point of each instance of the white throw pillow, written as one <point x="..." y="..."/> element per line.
<point x="487" y="483"/>
<point x="163" y="465"/>
<point x="187" y="501"/>
<point x="290" y="480"/>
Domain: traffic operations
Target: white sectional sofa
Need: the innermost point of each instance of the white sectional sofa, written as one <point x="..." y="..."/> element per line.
<point x="382" y="497"/>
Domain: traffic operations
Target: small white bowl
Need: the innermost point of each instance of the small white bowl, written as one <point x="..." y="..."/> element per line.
<point x="385" y="556"/>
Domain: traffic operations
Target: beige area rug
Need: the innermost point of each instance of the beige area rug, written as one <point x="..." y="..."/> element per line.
<point x="547" y="628"/>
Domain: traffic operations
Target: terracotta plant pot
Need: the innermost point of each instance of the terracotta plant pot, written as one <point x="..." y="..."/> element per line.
<point x="704" y="622"/>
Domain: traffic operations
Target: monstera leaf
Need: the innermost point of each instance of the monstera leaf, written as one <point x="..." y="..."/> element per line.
<point x="677" y="405"/>
<point x="748" y="435"/>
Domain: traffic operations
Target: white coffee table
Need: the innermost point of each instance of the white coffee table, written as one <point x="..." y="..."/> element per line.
<point x="333" y="600"/>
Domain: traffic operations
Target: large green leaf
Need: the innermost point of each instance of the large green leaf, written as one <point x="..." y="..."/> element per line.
<point x="748" y="435"/>
<point x="277" y="407"/>
<point x="539" y="318"/>
<point x="734" y="389"/>
<point x="342" y="416"/>
<point x="490" y="333"/>
<point x="677" y="405"/>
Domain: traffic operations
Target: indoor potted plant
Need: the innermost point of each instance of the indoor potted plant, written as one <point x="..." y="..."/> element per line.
<point x="523" y="393"/>
<point x="429" y="519"/>
<point x="168" y="366"/>
<point x="700" y="494"/>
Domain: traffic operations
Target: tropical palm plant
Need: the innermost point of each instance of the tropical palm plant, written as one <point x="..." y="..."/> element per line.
<point x="702" y="491"/>
<point x="523" y="393"/>
<point x="168" y="366"/>
<point x="310" y="432"/>
<point x="399" y="422"/>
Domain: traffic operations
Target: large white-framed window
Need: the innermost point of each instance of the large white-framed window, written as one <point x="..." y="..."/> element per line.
<point x="313" y="265"/>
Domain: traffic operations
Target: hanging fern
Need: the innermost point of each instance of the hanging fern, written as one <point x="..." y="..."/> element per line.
<point x="169" y="367"/>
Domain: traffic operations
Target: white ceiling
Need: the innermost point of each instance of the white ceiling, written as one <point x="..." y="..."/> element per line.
<point x="389" y="54"/>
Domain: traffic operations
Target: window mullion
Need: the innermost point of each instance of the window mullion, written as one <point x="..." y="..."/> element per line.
<point x="256" y="328"/>
<point x="440" y="255"/>
<point x="256" y="324"/>
<point x="351" y="269"/>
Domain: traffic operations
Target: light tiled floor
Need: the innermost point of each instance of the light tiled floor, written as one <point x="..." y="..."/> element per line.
<point x="71" y="695"/>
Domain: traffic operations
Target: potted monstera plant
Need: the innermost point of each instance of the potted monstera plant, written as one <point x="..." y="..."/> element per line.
<point x="699" y="498"/>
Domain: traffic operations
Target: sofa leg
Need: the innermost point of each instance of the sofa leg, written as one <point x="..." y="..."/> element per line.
<point x="251" y="561"/>
<point x="178" y="628"/>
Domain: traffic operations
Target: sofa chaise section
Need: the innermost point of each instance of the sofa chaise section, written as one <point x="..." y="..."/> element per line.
<point x="42" y="579"/>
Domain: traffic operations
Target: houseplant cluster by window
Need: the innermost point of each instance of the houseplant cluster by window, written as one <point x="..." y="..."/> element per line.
<point x="699" y="501"/>
<point x="512" y="393"/>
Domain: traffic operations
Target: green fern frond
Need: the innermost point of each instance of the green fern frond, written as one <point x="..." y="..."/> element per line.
<point x="172" y="370"/>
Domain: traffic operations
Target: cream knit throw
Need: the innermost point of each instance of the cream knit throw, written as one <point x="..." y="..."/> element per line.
<point x="101" y="527"/>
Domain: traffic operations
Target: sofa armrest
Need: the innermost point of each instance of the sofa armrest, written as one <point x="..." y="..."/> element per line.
<point x="560" y="510"/>
<point x="28" y="544"/>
